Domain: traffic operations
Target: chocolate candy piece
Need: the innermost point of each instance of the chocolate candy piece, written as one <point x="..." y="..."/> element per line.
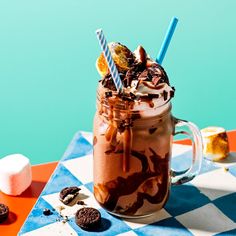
<point x="68" y="194"/>
<point x="88" y="218"/>
<point x="4" y="212"/>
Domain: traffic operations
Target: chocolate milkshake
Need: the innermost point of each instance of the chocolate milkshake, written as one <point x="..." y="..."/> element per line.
<point x="133" y="132"/>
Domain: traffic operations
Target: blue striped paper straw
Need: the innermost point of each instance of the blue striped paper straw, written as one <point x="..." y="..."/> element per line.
<point x="111" y="64"/>
<point x="167" y="40"/>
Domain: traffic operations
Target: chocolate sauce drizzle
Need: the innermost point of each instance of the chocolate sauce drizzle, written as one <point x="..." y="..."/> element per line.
<point x="142" y="158"/>
<point x="127" y="137"/>
<point x="125" y="186"/>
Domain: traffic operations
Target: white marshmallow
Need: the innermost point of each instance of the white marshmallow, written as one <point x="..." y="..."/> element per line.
<point x="15" y="174"/>
<point x="215" y="142"/>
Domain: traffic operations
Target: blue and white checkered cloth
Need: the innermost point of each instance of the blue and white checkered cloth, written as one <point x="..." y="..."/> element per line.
<point x="205" y="206"/>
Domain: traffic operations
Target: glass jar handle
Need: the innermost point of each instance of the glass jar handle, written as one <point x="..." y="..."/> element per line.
<point x="180" y="177"/>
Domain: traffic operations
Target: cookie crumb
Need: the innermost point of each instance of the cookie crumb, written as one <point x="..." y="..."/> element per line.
<point x="47" y="212"/>
<point x="226" y="169"/>
<point x="60" y="208"/>
<point x="81" y="203"/>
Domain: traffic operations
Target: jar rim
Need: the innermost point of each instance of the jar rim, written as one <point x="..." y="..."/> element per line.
<point x="121" y="105"/>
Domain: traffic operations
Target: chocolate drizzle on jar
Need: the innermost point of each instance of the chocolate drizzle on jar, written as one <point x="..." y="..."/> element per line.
<point x="121" y="126"/>
<point x="125" y="186"/>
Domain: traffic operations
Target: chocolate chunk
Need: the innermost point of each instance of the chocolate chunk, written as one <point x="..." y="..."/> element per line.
<point x="88" y="218"/>
<point x="150" y="95"/>
<point x="126" y="98"/>
<point x="68" y="194"/>
<point x="130" y="60"/>
<point x="152" y="130"/>
<point x="108" y="82"/>
<point x="172" y="93"/>
<point x="143" y="75"/>
<point x="133" y="96"/>
<point x="127" y="81"/>
<point x="4" y="212"/>
<point x="157" y="71"/>
<point x="122" y="76"/>
<point x="165" y="95"/>
<point x="130" y="75"/>
<point x="133" y="73"/>
<point x="47" y="212"/>
<point x="139" y="67"/>
<point x="108" y="94"/>
<point x="149" y="76"/>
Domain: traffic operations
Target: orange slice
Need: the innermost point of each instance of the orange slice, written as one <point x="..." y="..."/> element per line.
<point x="121" y="55"/>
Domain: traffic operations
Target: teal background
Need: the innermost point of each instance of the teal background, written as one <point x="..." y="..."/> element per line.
<point x="48" y="50"/>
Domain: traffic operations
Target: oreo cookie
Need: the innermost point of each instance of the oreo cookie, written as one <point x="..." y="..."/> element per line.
<point x="68" y="194"/>
<point x="88" y="218"/>
<point x="4" y="212"/>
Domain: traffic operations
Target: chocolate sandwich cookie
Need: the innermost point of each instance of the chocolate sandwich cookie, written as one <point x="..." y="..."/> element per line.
<point x="68" y="194"/>
<point x="4" y="212"/>
<point x="88" y="218"/>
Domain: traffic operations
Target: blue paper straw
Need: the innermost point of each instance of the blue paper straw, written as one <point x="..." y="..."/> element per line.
<point x="167" y="40"/>
<point x="110" y="62"/>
